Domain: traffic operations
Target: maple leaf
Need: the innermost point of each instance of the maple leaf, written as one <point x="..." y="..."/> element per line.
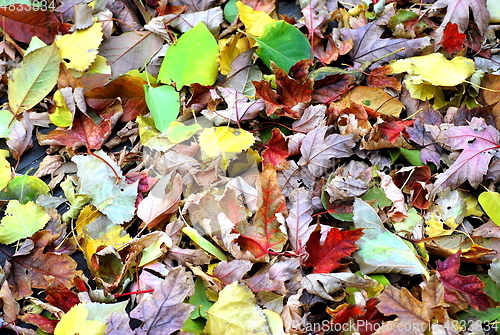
<point x="264" y="233"/>
<point x="290" y="92"/>
<point x="299" y="218"/>
<point x="458" y="287"/>
<point x="276" y="151"/>
<point x="38" y="268"/>
<point x="479" y="142"/>
<point x="324" y="257"/>
<point x="318" y="150"/>
<point x="379" y="77"/>
<point x="164" y="312"/>
<point x="331" y="88"/>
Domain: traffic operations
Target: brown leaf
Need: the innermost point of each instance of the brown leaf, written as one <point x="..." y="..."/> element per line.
<point x="379" y="77"/>
<point x="38" y="267"/>
<point x="458" y="287"/>
<point x="129" y="89"/>
<point x="60" y="296"/>
<point x="331" y="88"/>
<point x="45" y="324"/>
<point x="22" y="22"/>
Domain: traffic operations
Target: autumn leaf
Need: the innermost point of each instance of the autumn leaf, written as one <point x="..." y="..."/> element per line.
<point x="453" y="40"/>
<point x="264" y="233"/>
<point x="21" y="221"/>
<point x="478" y="143"/>
<point x="324" y="257"/>
<point x="164" y="311"/>
<point x="458" y="287"/>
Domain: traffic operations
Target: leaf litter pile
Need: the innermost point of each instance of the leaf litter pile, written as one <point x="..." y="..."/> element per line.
<point x="218" y="167"/>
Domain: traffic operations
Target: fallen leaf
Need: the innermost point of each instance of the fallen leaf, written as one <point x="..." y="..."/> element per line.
<point x="324" y="257"/>
<point x="79" y="49"/>
<point x="453" y="40"/>
<point x="22" y="22"/>
<point x="276" y="151"/>
<point x="264" y="233"/>
<point x="458" y="287"/>
<point x="34" y="79"/>
<point x="236" y="312"/>
<point x="254" y="20"/>
<point x="21" y="221"/>
<point x="164" y="311"/>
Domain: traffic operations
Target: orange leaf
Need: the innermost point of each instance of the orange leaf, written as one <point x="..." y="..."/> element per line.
<point x="264" y="233"/>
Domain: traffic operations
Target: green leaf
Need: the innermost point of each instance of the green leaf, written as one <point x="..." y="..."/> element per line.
<point x="489" y="201"/>
<point x="283" y="44"/>
<point x="380" y="251"/>
<point x="114" y="198"/>
<point x="193" y="59"/>
<point x="34" y="79"/>
<point x="163" y="103"/>
<point x="178" y="132"/>
<point x="378" y="194"/>
<point x="230" y="11"/>
<point x="25" y="188"/>
<point x="412" y="156"/>
<point x="21" y="221"/>
<point x="204" y="243"/>
<point x="199" y="299"/>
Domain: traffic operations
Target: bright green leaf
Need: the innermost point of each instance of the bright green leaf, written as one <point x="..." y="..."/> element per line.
<point x="163" y="103"/>
<point x="193" y="59"/>
<point x="26" y="188"/>
<point x="413" y="156"/>
<point x="21" y="221"/>
<point x="380" y="251"/>
<point x="490" y="202"/>
<point x="150" y="136"/>
<point x="34" y="79"/>
<point x="204" y="243"/>
<point x="283" y="44"/>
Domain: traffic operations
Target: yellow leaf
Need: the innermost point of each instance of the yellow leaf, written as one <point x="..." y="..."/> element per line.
<point x="435" y="69"/>
<point x="224" y="141"/>
<point x="79" y="49"/>
<point x="377" y="99"/>
<point x="100" y="65"/>
<point x="437" y="227"/>
<point x="95" y="230"/>
<point x="254" y="20"/>
<point x="75" y="322"/>
<point x="230" y="49"/>
<point x="62" y="116"/>
<point x="236" y="313"/>
<point x="5" y="172"/>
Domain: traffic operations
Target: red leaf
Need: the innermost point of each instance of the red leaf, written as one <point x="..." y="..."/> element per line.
<point x="129" y="89"/>
<point x="453" y="40"/>
<point x="324" y="258"/>
<point x="61" y="297"/>
<point x="45" y="324"/>
<point x="379" y="77"/>
<point x="22" y="22"/>
<point x="458" y="287"/>
<point x="264" y="233"/>
<point x="412" y="182"/>
<point x="84" y="133"/>
<point x="276" y="151"/>
<point x="391" y="131"/>
<point x="331" y="88"/>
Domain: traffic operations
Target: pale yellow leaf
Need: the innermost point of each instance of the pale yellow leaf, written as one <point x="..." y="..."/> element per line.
<point x="435" y="69"/>
<point x="254" y="20"/>
<point x="79" y="49"/>
<point x="62" y="116"/>
<point x="5" y="172"/>
<point x="21" y="221"/>
<point x="236" y="313"/>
